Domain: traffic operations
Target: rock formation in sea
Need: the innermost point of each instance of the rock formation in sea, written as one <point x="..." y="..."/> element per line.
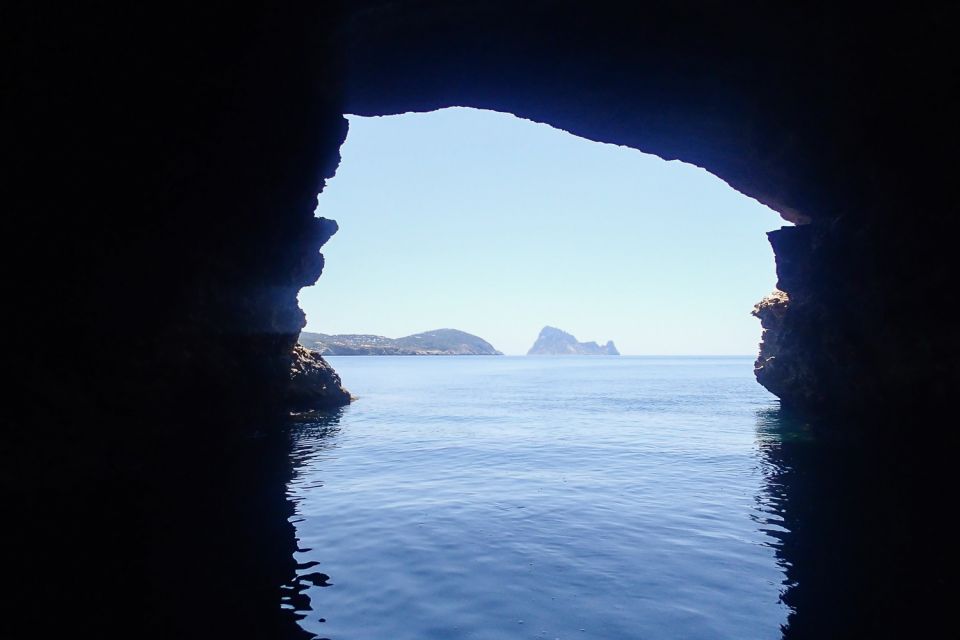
<point x="440" y="342"/>
<point x="556" y="342"/>
<point x="313" y="383"/>
<point x="775" y="372"/>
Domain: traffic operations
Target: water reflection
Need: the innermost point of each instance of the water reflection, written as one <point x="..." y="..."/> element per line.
<point x="311" y="435"/>
<point x="179" y="539"/>
<point x="852" y="519"/>
<point x="856" y="524"/>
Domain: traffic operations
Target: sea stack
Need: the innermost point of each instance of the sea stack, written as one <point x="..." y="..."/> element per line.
<point x="555" y="342"/>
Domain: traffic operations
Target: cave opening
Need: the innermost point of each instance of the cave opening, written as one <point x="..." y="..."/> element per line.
<point x="498" y="226"/>
<point x="585" y="483"/>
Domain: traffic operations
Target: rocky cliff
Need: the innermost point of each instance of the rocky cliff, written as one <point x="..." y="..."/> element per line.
<point x="440" y="342"/>
<point x="554" y="342"/>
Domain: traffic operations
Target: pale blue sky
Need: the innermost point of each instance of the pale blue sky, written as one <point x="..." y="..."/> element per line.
<point x="495" y="225"/>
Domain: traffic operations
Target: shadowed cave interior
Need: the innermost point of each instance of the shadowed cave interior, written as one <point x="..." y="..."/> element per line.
<point x="167" y="167"/>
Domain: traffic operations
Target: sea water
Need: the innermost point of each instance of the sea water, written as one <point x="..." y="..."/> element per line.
<point x="542" y="497"/>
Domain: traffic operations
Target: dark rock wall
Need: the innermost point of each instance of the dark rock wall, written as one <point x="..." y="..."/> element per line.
<point x="856" y="337"/>
<point x="164" y="163"/>
<point x="167" y="163"/>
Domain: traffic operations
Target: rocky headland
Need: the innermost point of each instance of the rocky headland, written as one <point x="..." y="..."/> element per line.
<point x="555" y="342"/>
<point x="440" y="342"/>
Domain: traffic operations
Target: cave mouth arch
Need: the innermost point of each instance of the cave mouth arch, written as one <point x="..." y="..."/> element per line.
<point x="823" y="122"/>
<point x="495" y="216"/>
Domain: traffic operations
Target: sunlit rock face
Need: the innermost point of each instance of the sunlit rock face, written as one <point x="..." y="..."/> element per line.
<point x="774" y="367"/>
<point x="313" y="383"/>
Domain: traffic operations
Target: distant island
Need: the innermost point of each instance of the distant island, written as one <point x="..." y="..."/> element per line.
<point x="554" y="342"/>
<point x="441" y="342"/>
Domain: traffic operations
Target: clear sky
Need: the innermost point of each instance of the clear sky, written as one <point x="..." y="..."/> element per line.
<point x="484" y="222"/>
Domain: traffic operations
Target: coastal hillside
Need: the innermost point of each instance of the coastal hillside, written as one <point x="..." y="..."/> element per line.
<point x="440" y="342"/>
<point x="555" y="342"/>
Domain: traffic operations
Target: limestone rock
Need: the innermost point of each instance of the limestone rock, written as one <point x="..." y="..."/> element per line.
<point x="768" y="368"/>
<point x="313" y="383"/>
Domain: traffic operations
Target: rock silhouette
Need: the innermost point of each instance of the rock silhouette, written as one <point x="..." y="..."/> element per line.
<point x="556" y="342"/>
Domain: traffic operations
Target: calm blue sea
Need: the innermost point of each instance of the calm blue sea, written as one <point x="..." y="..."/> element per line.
<point x="539" y="497"/>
